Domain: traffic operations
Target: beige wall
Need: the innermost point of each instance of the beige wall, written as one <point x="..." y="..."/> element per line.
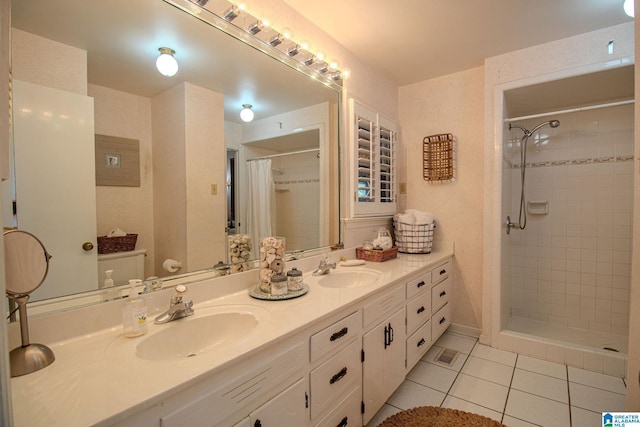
<point x="450" y="104"/>
<point x="48" y="63"/>
<point x="123" y="115"/>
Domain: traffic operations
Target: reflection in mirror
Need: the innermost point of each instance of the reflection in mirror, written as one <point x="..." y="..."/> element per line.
<point x="91" y="71"/>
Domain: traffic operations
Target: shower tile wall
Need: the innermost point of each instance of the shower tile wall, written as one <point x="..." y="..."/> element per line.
<point x="572" y="266"/>
<point x="297" y="182"/>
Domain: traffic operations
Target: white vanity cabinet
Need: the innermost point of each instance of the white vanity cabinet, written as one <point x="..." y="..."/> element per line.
<point x="373" y="171"/>
<point x="383" y="348"/>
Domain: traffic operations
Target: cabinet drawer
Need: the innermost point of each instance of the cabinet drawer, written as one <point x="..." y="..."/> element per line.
<point x="335" y="335"/>
<point x="440" y="321"/>
<point x="418" y="312"/>
<point x="440" y="272"/>
<point x="418" y="285"/>
<point x="334" y="378"/>
<point x="440" y="294"/>
<point x="418" y="344"/>
<point x="384" y="306"/>
<point x="346" y="414"/>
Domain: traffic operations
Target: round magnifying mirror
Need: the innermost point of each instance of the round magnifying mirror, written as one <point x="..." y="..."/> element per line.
<point x="26" y="262"/>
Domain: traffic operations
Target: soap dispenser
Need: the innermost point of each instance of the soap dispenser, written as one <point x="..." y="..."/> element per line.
<point x="134" y="312"/>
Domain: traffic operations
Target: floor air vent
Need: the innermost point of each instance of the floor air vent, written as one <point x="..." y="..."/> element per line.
<point x="446" y="356"/>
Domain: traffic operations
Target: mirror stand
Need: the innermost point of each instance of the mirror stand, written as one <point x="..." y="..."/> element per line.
<point x="29" y="357"/>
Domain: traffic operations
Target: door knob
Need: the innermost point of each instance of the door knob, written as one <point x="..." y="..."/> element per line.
<point x="87" y="246"/>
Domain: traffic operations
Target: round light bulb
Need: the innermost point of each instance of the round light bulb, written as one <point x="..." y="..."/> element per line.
<point x="345" y="74"/>
<point x="166" y="63"/>
<point x="246" y="114"/>
<point x="629" y="8"/>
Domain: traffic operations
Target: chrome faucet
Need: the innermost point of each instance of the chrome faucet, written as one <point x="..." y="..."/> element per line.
<point x="178" y="308"/>
<point x="324" y="267"/>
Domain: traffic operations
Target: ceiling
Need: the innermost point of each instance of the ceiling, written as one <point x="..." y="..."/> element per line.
<point x="413" y="40"/>
<point x="407" y="40"/>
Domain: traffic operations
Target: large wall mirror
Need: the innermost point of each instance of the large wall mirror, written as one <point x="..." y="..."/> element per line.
<point x="103" y="143"/>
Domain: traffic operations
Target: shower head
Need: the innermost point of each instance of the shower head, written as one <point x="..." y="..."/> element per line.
<point x="528" y="133"/>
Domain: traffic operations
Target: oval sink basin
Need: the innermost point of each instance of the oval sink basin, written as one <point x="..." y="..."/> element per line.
<point x="349" y="278"/>
<point x="192" y="336"/>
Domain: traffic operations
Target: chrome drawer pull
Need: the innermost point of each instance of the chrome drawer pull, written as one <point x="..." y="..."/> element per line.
<point x="337" y="335"/>
<point x="421" y="342"/>
<point x="337" y="377"/>
<point x="442" y="320"/>
<point x="344" y="422"/>
<point x="421" y="284"/>
<point x="443" y="293"/>
<point x="420" y="310"/>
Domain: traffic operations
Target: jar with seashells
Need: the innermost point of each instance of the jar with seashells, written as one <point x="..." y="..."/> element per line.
<point x="271" y="260"/>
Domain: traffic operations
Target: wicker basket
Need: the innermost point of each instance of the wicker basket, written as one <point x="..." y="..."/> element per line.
<point x="377" y="255"/>
<point x="109" y="245"/>
<point x="414" y="238"/>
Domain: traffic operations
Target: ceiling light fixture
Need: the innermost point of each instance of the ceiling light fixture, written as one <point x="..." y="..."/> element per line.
<point x="166" y="63"/>
<point x="629" y="8"/>
<point x="246" y="114"/>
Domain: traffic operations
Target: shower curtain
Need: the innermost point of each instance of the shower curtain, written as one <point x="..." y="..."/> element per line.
<point x="261" y="201"/>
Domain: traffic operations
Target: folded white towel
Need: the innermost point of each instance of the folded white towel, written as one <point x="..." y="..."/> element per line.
<point x="420" y="217"/>
<point x="116" y="232"/>
<point x="405" y="218"/>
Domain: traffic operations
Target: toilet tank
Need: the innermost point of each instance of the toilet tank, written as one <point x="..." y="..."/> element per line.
<point x="125" y="266"/>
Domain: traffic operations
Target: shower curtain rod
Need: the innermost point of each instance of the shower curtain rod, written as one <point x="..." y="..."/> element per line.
<point x="572" y="110"/>
<point x="310" y="150"/>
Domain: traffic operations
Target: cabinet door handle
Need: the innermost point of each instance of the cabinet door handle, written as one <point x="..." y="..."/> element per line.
<point x="390" y="334"/>
<point x="443" y="293"/>
<point x="386" y="337"/>
<point x="443" y="271"/>
<point x="442" y="320"/>
<point x="421" y="284"/>
<point x="337" y="377"/>
<point x="420" y="310"/>
<point x="344" y="422"/>
<point x="337" y="335"/>
<point x="257" y="424"/>
<point x="421" y="343"/>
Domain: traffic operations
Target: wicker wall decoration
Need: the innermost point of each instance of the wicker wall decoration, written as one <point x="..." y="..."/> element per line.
<point x="438" y="158"/>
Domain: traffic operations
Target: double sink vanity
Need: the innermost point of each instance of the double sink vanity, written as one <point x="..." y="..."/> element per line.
<point x="329" y="358"/>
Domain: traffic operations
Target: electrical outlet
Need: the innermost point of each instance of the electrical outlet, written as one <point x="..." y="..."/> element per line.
<point x="214" y="189"/>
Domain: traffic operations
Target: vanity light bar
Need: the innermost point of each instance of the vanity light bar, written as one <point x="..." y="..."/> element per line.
<point x="323" y="70"/>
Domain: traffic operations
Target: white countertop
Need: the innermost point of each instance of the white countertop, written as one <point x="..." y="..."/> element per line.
<point x="97" y="379"/>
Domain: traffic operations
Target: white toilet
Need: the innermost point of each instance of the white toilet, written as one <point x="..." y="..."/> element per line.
<point x="125" y="266"/>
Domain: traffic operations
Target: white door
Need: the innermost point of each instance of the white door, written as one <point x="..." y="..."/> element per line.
<point x="55" y="182"/>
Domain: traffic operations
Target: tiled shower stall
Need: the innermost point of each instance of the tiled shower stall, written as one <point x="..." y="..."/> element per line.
<point x="569" y="270"/>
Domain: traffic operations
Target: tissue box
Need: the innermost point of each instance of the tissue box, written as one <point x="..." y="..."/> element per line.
<point x="377" y="255"/>
<point x="109" y="245"/>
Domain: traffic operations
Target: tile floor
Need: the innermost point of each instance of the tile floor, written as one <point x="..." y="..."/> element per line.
<point x="517" y="390"/>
